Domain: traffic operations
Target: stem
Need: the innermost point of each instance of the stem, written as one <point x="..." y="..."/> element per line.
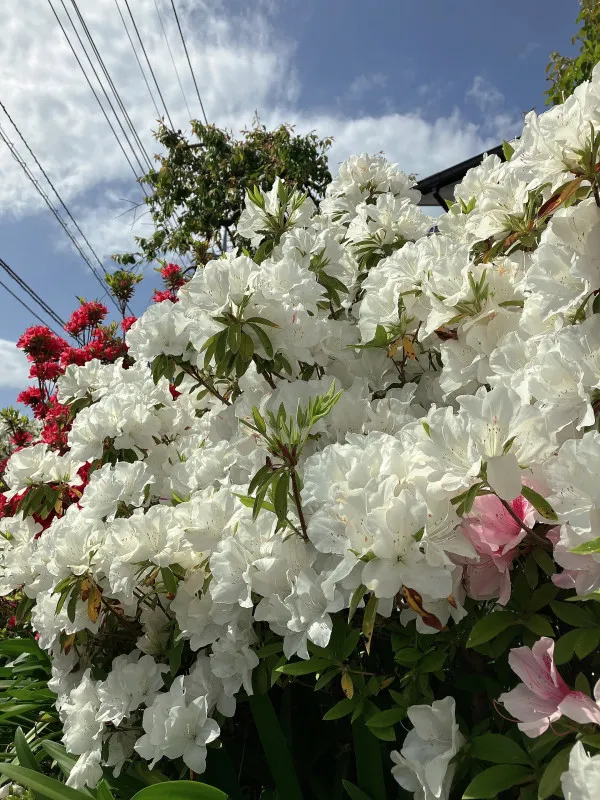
<point x="516" y="517"/>
<point x="298" y="503"/>
<point x="195" y="374"/>
<point x="269" y="380"/>
<point x="541" y="541"/>
<point x="121" y="619"/>
<point x="596" y="193"/>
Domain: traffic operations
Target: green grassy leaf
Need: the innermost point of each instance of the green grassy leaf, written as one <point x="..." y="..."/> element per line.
<point x="37" y="782"/>
<point x="275" y="747"/>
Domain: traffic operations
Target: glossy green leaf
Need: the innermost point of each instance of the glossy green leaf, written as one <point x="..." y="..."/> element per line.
<point x="492" y="781"/>
<point x="384" y="719"/>
<point x="490" y="626"/>
<point x="180" y="790"/>
<point x="498" y="749"/>
<point x="353" y="792"/>
<point x="550" y="780"/>
<point x="541" y="505"/>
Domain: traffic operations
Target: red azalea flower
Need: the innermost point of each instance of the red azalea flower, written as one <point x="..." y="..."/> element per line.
<point x="127" y="323"/>
<point x="40" y="344"/>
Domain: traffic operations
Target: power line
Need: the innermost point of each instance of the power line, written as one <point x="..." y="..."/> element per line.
<point x="57" y="195"/>
<point x="112" y="86"/>
<point x="149" y="65"/>
<point x="172" y="59"/>
<point x="116" y="135"/>
<point x="158" y="114"/>
<point x="31" y="311"/>
<point x="33" y="294"/>
<point x="187" y="55"/>
<point x="15" y="153"/>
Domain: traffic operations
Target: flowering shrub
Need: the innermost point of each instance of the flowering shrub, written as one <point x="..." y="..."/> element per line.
<point x="363" y="459"/>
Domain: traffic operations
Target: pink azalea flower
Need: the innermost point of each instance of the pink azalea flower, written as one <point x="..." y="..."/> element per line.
<point x="544" y="697"/>
<point x="495" y="535"/>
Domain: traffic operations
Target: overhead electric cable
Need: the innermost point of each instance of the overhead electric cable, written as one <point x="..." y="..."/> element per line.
<point x="31" y="311"/>
<point x="32" y="293"/>
<point x="112" y="86"/>
<point x="158" y="114"/>
<point x="57" y="195"/>
<point x="187" y="55"/>
<point x="15" y="153"/>
<point x="162" y="99"/>
<point x="116" y="135"/>
<point x="172" y="58"/>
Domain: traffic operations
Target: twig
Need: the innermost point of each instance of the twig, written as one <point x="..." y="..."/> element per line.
<point x="298" y="503"/>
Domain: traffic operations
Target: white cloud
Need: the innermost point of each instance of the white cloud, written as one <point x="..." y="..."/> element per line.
<point x="485" y="95"/>
<point x="14" y="369"/>
<point x="529" y="48"/>
<point x="242" y="65"/>
<point x="365" y="83"/>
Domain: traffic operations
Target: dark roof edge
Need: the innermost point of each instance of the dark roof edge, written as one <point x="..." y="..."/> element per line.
<point x="456" y="173"/>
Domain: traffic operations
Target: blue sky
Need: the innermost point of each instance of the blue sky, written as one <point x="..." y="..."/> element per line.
<point x="429" y="83"/>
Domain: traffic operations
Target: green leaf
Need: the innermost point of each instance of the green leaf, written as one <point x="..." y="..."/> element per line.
<point x="263" y="339"/>
<point x="246" y="350"/>
<point x="550" y="781"/>
<point x="369" y="621"/>
<point x="180" y="790"/>
<point x="544" y="561"/>
<point x="385" y="719"/>
<point x="353" y="792"/>
<point x="587" y="641"/>
<point x="564" y="649"/>
<point x="492" y="781"/>
<point x="280" y="496"/>
<point x="542" y="596"/>
<point x="407" y="656"/>
<point x="340" y="709"/>
<point x="369" y="766"/>
<point x="269" y="650"/>
<point x="498" y="749"/>
<point x="103" y="792"/>
<point x="275" y="747"/>
<point x="575" y="616"/>
<point x="357" y="596"/>
<point x="508" y="150"/>
<point x="37" y="782"/>
<point x="531" y="571"/>
<point x="432" y="662"/>
<point x="490" y="626"/>
<point x="263" y="321"/>
<point x="588" y="547"/>
<point x="541" y="505"/>
<point x="386" y="734"/>
<point x="233" y="337"/>
<point x="305" y="667"/>
<point x="24" y="754"/>
<point x="169" y="580"/>
<point x="15" y="647"/>
<point x="326" y="678"/>
<point x="582" y="684"/>
<point x="538" y="624"/>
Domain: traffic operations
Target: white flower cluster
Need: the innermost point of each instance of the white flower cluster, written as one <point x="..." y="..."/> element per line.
<point x="468" y="356"/>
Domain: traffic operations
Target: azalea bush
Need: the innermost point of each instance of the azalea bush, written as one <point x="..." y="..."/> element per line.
<point x="331" y="527"/>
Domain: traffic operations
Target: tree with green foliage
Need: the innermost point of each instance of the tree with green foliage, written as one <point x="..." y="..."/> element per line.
<point x="197" y="190"/>
<point x="567" y="73"/>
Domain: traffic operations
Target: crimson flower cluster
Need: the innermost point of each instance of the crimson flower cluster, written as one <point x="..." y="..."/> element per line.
<point x="173" y="279"/>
